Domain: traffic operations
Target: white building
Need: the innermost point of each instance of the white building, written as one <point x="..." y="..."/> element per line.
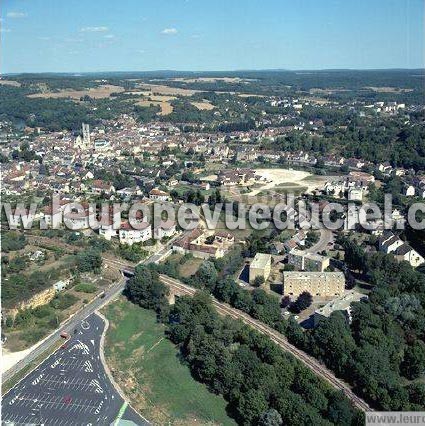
<point x="107" y="232"/>
<point x="355" y="194"/>
<point x="128" y="235"/>
<point x="157" y="194"/>
<point x="165" y="229"/>
<point x="409" y="191"/>
<point x="390" y="243"/>
<point x="342" y="303"/>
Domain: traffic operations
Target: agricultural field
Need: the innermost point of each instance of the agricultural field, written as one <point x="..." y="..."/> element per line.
<point x="203" y="105"/>
<point x="163" y="101"/>
<point x="161" y="89"/>
<point x="101" y="92"/>
<point x="147" y="367"/>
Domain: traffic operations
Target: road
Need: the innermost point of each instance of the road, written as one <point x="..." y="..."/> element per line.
<point x="69" y="325"/>
<point x="70" y="387"/>
<point x="279" y="339"/>
<point x="326" y="236"/>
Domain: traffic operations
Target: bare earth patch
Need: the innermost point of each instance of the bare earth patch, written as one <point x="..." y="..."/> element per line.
<point x="10" y="83"/>
<point x="276" y="177"/>
<point x="386" y="89"/>
<point x="203" y="105"/>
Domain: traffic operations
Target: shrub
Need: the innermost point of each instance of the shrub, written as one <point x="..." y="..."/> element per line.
<point x="85" y="288"/>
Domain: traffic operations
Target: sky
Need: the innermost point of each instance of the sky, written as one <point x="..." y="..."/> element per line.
<point x="210" y="35"/>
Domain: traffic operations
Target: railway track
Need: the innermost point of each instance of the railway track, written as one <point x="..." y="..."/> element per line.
<point x="277" y="338"/>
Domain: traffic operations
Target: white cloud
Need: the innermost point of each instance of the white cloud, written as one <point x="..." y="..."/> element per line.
<point x="109" y="36"/>
<point x="44" y="38"/>
<point x="5" y="30"/>
<point x="169" y="31"/>
<point x="94" y="29"/>
<point x="15" y="14"/>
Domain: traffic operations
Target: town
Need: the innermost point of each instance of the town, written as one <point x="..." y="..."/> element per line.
<point x="341" y="296"/>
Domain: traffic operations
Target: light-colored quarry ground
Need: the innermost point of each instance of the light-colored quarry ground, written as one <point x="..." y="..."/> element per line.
<point x="277" y="177"/>
<point x="250" y="95"/>
<point x="10" y="83"/>
<point x="386" y="89"/>
<point x="103" y="91"/>
<point x="315" y="91"/>
<point x="315" y="100"/>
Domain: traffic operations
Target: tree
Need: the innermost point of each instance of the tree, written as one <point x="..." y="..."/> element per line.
<point x="251" y="405"/>
<point x="89" y="261"/>
<point x="413" y="365"/>
<point x="258" y="281"/>
<point x="334" y="343"/>
<point x="207" y="274"/>
<point x="271" y="417"/>
<point x="285" y="302"/>
<point x="340" y="411"/>
<point x="303" y="301"/>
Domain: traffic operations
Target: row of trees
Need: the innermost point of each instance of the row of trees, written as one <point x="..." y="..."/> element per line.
<point x="215" y="277"/>
<point x="262" y="384"/>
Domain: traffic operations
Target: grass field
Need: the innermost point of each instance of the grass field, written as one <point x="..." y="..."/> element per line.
<point x="147" y="367"/>
<point x="101" y="92"/>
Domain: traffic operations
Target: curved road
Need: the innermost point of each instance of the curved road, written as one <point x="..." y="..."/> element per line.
<point x="326" y="236"/>
<point x="71" y="323"/>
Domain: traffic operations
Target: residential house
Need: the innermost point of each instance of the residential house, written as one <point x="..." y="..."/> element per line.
<point x="129" y="235"/>
<point x="165" y="229"/>
<point x="158" y="195"/>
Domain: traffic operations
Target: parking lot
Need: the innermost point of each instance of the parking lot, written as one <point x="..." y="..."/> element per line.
<point x="68" y="388"/>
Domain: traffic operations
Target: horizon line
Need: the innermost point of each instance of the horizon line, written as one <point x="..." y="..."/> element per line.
<point x="77" y="73"/>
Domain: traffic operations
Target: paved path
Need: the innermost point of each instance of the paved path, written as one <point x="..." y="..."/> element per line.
<point x="70" y="387"/>
<point x="326" y="236"/>
<point x="69" y="325"/>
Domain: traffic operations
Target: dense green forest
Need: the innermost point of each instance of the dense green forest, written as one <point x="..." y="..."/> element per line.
<point x="381" y="353"/>
<point x="262" y="384"/>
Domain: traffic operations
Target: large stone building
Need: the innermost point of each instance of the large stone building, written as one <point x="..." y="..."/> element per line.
<point x="260" y="267"/>
<point x="324" y="284"/>
<point x="307" y="262"/>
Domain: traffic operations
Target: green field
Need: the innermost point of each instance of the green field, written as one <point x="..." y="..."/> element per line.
<point x="147" y="367"/>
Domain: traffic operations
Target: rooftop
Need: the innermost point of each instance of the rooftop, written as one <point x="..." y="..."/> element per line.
<point x="341" y="303"/>
<point x="260" y="260"/>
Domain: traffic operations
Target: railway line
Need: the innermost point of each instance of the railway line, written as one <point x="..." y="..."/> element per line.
<point x="277" y="338"/>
